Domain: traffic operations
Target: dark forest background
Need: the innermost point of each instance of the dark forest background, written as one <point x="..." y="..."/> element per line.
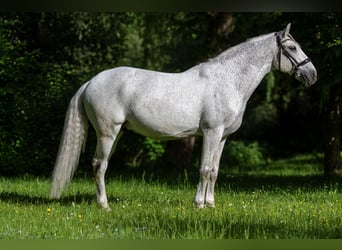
<point x="46" y="56"/>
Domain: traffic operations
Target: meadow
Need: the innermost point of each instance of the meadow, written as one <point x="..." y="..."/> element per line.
<point x="286" y="199"/>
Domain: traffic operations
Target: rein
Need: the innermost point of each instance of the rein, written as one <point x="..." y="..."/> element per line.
<point x="294" y="62"/>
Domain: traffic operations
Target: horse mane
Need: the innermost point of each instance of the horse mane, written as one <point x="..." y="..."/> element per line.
<point x="235" y="50"/>
<point x="259" y="38"/>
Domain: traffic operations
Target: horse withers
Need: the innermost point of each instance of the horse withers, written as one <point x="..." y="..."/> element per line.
<point x="206" y="100"/>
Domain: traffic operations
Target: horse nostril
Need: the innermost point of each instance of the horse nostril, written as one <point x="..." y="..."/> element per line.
<point x="314" y="77"/>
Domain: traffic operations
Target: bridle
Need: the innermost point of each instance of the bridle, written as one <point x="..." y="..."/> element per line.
<point x="294" y="62"/>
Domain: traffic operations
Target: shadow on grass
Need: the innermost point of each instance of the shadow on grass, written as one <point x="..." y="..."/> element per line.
<point x="19" y="198"/>
<point x="226" y="183"/>
<point x="278" y="183"/>
<point x="65" y="200"/>
<point x="16" y="198"/>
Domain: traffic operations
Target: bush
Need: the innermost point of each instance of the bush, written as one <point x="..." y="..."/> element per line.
<point x="244" y="155"/>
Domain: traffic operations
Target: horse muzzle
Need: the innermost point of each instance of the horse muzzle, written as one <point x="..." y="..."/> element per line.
<point x="308" y="77"/>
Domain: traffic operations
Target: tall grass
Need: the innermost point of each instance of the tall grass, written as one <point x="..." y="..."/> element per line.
<point x="250" y="205"/>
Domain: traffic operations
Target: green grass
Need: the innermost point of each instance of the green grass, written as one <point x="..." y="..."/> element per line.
<point x="272" y="202"/>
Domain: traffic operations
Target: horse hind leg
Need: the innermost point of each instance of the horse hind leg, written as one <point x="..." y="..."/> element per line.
<point x="104" y="149"/>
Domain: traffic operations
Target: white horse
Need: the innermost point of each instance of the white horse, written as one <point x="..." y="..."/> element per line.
<point x="208" y="100"/>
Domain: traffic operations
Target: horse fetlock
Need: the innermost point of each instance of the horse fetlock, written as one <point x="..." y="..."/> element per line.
<point x="104" y="204"/>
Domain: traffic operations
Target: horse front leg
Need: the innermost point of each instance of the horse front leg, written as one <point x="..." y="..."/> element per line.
<point x="211" y="144"/>
<point x="210" y="200"/>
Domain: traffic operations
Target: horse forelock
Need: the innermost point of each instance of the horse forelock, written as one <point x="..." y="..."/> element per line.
<point x="288" y="36"/>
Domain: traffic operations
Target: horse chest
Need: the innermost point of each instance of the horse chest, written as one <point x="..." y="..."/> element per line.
<point x="228" y="114"/>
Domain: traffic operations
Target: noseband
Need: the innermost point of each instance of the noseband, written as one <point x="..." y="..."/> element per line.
<point x="294" y="62"/>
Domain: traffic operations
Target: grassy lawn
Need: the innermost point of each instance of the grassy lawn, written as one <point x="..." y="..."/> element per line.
<point x="286" y="199"/>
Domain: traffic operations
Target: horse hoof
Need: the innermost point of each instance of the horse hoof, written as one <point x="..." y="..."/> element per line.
<point x="211" y="205"/>
<point x="199" y="205"/>
<point x="107" y="209"/>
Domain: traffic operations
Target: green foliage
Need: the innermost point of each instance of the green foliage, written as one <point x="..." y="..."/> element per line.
<point x="244" y="155"/>
<point x="17" y="80"/>
<point x="155" y="149"/>
<point x="46" y="56"/>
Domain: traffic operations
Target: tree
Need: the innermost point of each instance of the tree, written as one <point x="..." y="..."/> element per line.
<point x="330" y="36"/>
<point x="46" y="56"/>
<point x="325" y="47"/>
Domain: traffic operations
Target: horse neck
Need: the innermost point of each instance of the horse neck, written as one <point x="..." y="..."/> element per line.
<point x="248" y="63"/>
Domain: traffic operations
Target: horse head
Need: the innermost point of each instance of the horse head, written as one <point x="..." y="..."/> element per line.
<point x="292" y="60"/>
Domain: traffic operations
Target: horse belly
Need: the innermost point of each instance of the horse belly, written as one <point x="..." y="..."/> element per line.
<point x="163" y="123"/>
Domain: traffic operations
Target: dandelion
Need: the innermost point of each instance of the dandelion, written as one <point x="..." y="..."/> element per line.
<point x="48" y="210"/>
<point x="79" y="216"/>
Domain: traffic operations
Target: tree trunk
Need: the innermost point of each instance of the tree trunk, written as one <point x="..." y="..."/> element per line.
<point x="332" y="168"/>
<point x="221" y="25"/>
<point x="179" y="152"/>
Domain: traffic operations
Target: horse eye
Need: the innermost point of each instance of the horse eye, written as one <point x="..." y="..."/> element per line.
<point x="292" y="47"/>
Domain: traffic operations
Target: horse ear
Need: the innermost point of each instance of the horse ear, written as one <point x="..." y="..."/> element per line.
<point x="287" y="30"/>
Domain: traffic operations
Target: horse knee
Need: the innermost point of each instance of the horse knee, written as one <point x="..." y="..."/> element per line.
<point x="213" y="174"/>
<point x="205" y="173"/>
